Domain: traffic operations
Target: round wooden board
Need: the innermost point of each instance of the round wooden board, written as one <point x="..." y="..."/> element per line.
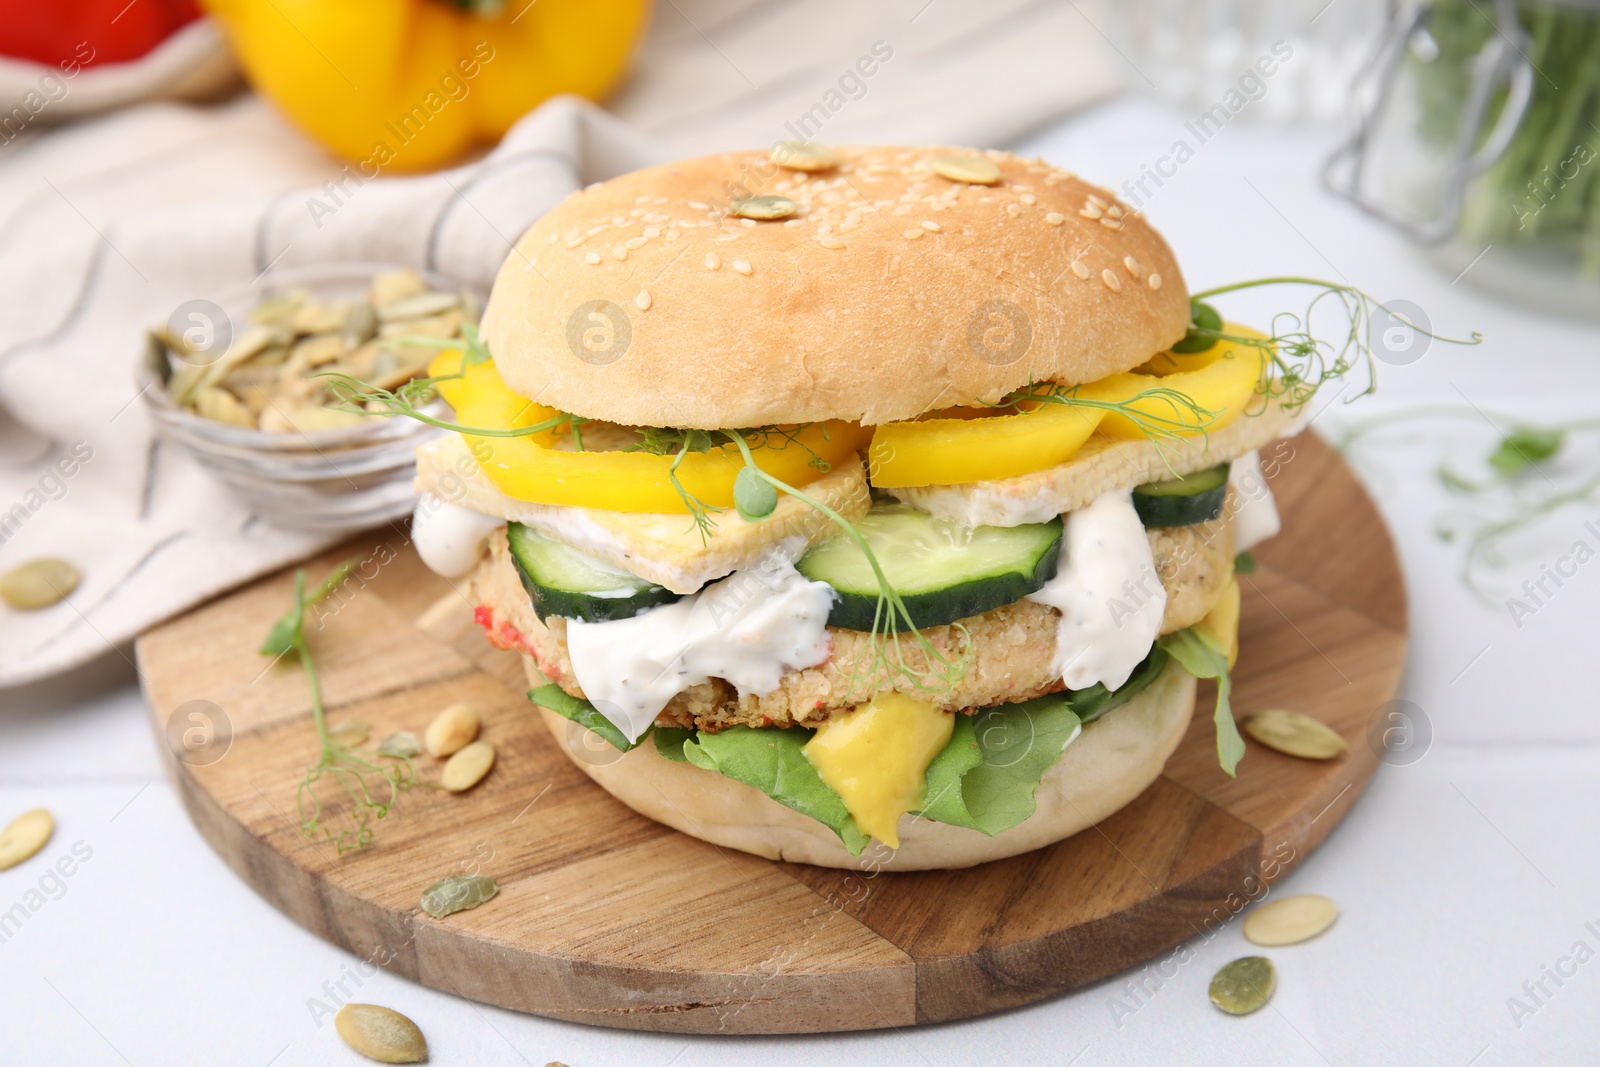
<point x="607" y="917"/>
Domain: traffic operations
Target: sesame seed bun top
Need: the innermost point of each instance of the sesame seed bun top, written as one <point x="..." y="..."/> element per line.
<point x="883" y="289"/>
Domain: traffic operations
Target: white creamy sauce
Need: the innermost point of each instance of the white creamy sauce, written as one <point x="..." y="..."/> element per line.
<point x="1255" y="515"/>
<point x="749" y="629"/>
<point x="450" y="538"/>
<point x="1108" y="592"/>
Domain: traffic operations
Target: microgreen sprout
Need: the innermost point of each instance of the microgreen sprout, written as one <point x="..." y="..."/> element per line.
<point x="1516" y="482"/>
<point x="473" y="352"/>
<point x="371" y="786"/>
<point x="1185" y="419"/>
<point x="1298" y="362"/>
<point x="353" y="394"/>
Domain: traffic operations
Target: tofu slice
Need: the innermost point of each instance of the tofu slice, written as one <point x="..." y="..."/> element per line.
<point x="665" y="549"/>
<point x="1101" y="465"/>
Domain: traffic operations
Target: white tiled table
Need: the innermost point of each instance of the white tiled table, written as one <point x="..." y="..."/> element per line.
<point x="1460" y="876"/>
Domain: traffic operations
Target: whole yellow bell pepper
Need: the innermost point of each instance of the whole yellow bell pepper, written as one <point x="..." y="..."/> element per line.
<point x="414" y="84"/>
<point x="531" y="468"/>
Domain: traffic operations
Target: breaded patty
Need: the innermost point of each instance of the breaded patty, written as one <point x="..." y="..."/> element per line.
<point x="1008" y="652"/>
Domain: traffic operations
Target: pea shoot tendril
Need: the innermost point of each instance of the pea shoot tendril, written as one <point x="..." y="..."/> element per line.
<point x="1298" y="362"/>
<point x="1518" y="483"/>
<point x="371" y="786"/>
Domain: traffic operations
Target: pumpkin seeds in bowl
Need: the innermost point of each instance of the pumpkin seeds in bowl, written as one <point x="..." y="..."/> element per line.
<point x="266" y="377"/>
<point x="241" y="386"/>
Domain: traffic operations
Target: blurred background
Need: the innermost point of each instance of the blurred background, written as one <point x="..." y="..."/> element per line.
<point x="1462" y="121"/>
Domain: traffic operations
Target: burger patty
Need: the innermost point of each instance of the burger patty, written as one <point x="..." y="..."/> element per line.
<point x="1007" y="652"/>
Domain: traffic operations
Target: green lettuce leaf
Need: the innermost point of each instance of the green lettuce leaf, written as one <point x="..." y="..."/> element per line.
<point x="670" y="741"/>
<point x="1524" y="447"/>
<point x="770" y="760"/>
<point x="1091" y="703"/>
<point x="986" y="777"/>
<point x="583" y="713"/>
<point x="1203" y="659"/>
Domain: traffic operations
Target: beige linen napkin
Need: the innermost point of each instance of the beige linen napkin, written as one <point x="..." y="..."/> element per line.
<point x="107" y="225"/>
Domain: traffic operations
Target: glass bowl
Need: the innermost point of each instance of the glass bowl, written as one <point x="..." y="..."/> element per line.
<point x="324" y="480"/>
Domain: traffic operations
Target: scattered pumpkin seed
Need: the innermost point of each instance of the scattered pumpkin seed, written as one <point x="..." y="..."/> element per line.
<point x="804" y="155"/>
<point x="27" y="834"/>
<point x="1295" y="734"/>
<point x="1244" y="985"/>
<point x="466" y="768"/>
<point x="381" y="1034"/>
<point x="349" y="732"/>
<point x="973" y="169"/>
<point x="402" y="744"/>
<point x="764" y="208"/>
<point x="265" y="379"/>
<point x="451" y="730"/>
<point x="459" y="892"/>
<point x="1290" y="920"/>
<point x="38" y="583"/>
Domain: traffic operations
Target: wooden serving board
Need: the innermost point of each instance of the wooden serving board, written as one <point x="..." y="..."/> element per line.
<point x="607" y="917"/>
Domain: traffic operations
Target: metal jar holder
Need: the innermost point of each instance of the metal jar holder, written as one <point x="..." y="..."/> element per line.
<point x="1465" y="141"/>
<point x="1503" y="60"/>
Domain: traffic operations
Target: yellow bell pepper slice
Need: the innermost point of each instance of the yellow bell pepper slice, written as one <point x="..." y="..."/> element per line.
<point x="952" y="451"/>
<point x="948" y="451"/>
<point x="444" y="365"/>
<point x="1221" y="624"/>
<point x="530" y="468"/>
<point x="1223" y="384"/>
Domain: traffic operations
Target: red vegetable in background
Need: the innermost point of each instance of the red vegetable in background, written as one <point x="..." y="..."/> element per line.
<point x="51" y="32"/>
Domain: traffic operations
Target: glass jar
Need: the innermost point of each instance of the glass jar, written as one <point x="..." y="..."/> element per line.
<point x="1479" y="135"/>
<point x="1278" y="60"/>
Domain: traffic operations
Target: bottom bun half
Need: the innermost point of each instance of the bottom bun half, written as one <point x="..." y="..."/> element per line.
<point x="1109" y="765"/>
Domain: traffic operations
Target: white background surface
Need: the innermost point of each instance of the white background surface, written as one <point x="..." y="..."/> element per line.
<point x="1460" y="876"/>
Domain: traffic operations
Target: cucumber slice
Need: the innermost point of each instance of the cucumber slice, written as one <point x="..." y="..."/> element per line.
<point x="1184" y="501"/>
<point x="942" y="570"/>
<point x="565" y="582"/>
